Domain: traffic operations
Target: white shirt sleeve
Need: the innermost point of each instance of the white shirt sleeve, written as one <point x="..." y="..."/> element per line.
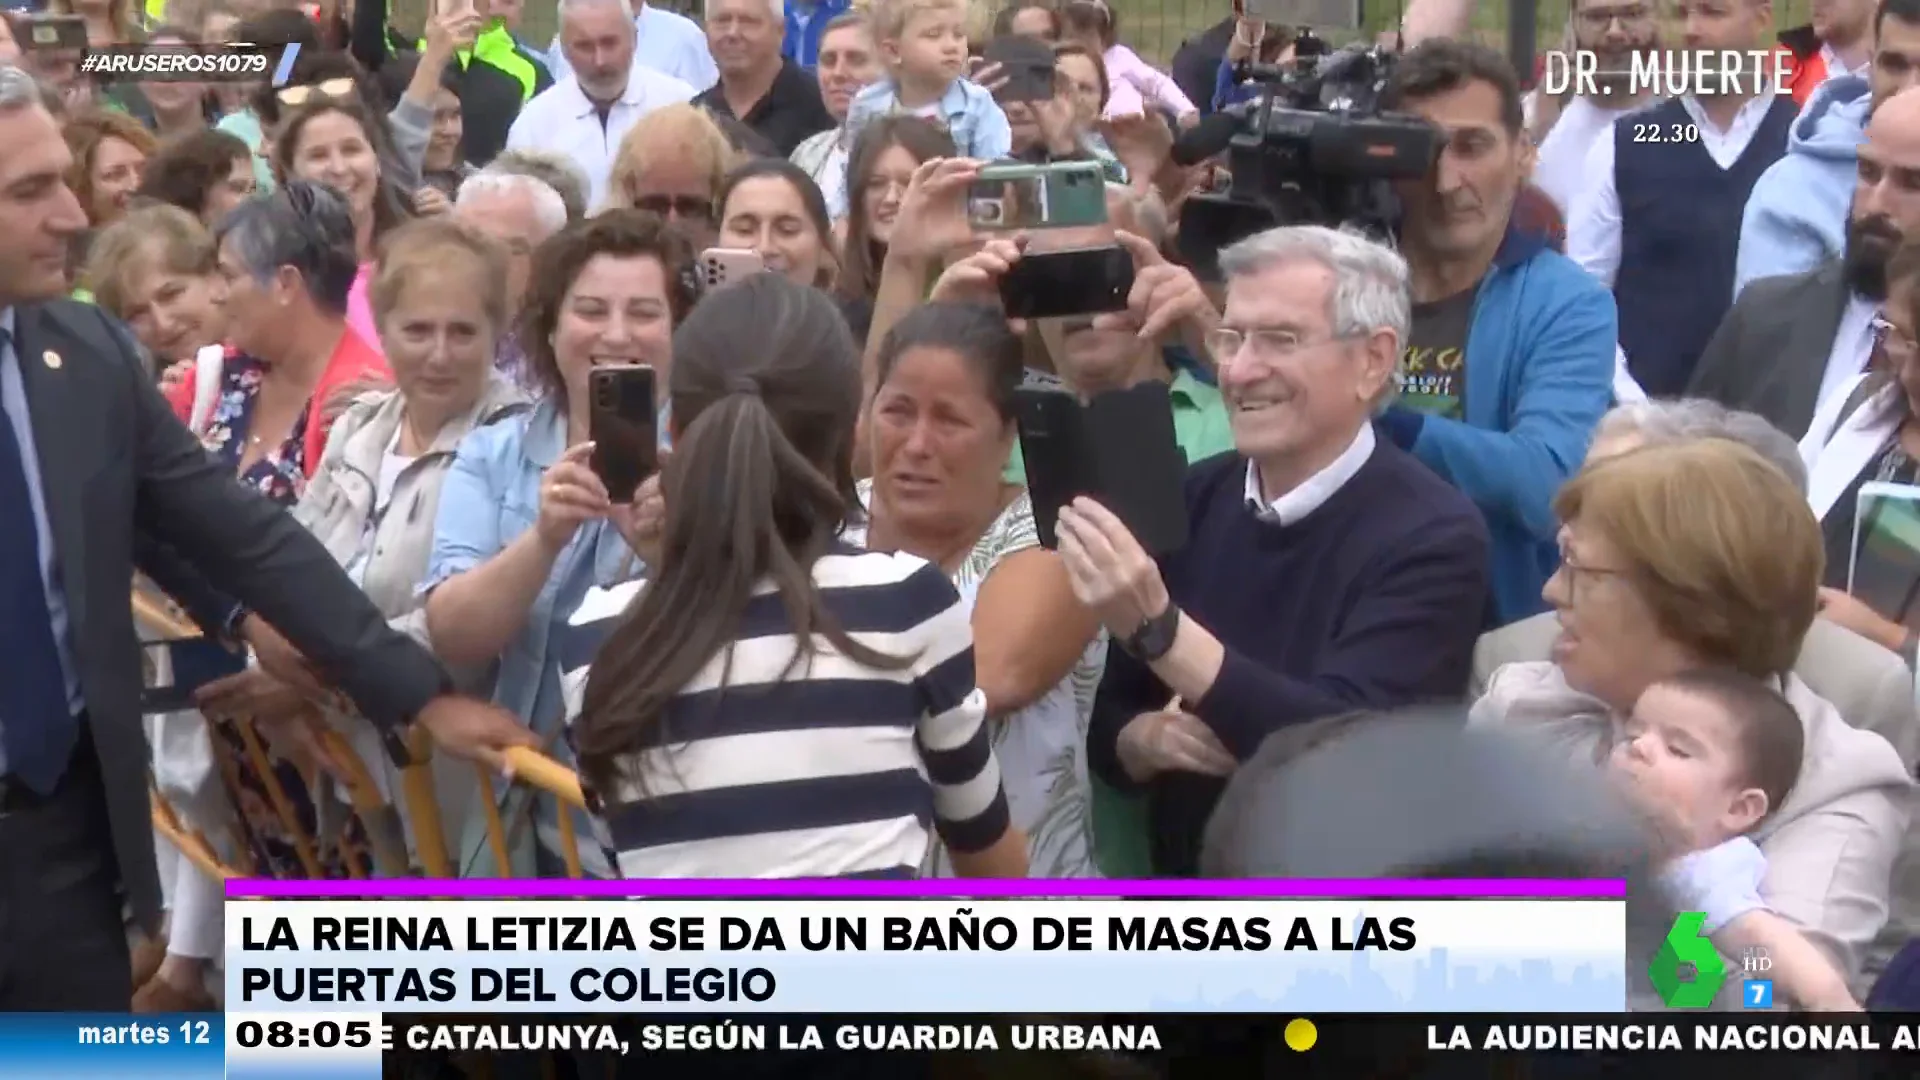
<point x="1593" y="220"/>
<point x="1723" y="881"/>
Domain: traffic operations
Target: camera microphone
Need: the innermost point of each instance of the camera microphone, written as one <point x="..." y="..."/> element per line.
<point x="1211" y="136"/>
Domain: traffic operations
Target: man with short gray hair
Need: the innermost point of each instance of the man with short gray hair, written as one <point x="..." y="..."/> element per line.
<point x="585" y="115"/>
<point x="759" y="87"/>
<point x="666" y="41"/>
<point x="1325" y="570"/>
<point x="521" y="213"/>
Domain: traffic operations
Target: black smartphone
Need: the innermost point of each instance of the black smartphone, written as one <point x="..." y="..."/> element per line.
<point x="42" y="32"/>
<point x="623" y="420"/>
<point x="1117" y="447"/>
<point x="193" y="662"/>
<point x="1027" y="65"/>
<point x="1074" y="281"/>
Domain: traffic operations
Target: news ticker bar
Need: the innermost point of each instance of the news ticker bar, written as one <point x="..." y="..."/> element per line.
<point x="535" y="957"/>
<point x="194" y="1047"/>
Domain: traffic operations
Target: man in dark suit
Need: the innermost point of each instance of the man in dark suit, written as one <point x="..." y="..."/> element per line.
<point x="1791" y="341"/>
<point x="98" y="476"/>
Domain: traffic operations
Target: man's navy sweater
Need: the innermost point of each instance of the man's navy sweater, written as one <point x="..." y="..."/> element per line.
<point x="1373" y="600"/>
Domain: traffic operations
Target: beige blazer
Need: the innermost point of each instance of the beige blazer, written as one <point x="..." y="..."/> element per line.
<point x="1831" y="849"/>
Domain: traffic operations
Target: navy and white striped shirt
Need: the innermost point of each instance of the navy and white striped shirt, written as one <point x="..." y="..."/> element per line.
<point x="837" y="770"/>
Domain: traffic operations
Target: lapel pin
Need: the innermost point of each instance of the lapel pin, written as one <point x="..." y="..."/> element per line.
<point x="52" y="359"/>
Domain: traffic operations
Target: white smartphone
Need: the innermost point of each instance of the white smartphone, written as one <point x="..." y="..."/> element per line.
<point x="723" y="266"/>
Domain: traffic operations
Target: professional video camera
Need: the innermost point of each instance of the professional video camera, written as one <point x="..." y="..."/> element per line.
<point x="1313" y="148"/>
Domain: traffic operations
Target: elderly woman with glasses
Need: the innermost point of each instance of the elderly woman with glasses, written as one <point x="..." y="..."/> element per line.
<point x="1866" y="433"/>
<point x="1702" y="555"/>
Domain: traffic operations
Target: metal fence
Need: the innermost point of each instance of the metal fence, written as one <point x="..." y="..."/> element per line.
<point x="1155" y="28"/>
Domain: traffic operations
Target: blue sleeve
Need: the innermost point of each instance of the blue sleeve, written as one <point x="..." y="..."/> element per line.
<point x="1781" y="231"/>
<point x="466" y="531"/>
<point x="1565" y="348"/>
<point x="993" y="135"/>
<point x="1225" y="93"/>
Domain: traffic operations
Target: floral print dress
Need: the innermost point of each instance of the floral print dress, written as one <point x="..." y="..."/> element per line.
<point x="280" y="474"/>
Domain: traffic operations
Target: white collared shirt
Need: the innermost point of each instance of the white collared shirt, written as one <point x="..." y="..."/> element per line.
<point x="1852" y="345"/>
<point x="1593" y="221"/>
<point x="1315" y="490"/>
<point x="562" y="120"/>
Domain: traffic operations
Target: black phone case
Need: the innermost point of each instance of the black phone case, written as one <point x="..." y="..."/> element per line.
<point x="1118" y="448"/>
<point x="195" y="662"/>
<point x="623" y="421"/>
<point x="1078" y="281"/>
<point x="1028" y="67"/>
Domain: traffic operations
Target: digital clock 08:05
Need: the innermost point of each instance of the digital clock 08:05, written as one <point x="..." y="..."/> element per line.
<point x="317" y="1034"/>
<point x="1665" y="133"/>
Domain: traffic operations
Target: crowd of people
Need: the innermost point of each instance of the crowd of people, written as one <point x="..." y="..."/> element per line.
<point x="1611" y="441"/>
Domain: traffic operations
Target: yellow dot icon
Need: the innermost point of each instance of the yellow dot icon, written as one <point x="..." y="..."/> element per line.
<point x="1301" y="1035"/>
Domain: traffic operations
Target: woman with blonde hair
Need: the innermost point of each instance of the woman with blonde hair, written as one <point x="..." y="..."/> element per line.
<point x="158" y="271"/>
<point x="673" y="162"/>
<point x="440" y="300"/>
<point x="1662" y="574"/>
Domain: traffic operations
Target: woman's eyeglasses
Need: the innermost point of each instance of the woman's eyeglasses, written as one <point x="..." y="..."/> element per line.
<point x="296" y="96"/>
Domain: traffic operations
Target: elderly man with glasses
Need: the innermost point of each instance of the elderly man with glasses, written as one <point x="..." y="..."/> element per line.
<point x="1325" y="570"/>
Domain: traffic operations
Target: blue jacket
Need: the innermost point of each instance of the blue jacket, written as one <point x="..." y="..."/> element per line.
<point x="1539" y="377"/>
<point x="1796" y="217"/>
<point x="804" y="28"/>
<point x="1228" y="92"/>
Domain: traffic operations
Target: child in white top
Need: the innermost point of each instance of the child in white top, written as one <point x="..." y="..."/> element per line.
<point x="1709" y="755"/>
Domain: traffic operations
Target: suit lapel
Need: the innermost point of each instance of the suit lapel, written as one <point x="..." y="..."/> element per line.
<point x="64" y="440"/>
<point x="1812" y="344"/>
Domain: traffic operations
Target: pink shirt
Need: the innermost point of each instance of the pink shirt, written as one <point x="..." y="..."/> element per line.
<point x="1134" y="83"/>
<point x="360" y="309"/>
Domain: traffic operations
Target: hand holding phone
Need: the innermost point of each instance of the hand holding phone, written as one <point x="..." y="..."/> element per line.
<point x="624" y="421"/>
<point x="1026" y="68"/>
<point x="192" y="664"/>
<point x="1076" y="281"/>
<point x="1118" y="448"/>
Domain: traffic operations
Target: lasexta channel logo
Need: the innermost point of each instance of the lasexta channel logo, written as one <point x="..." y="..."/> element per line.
<point x="1687" y="971"/>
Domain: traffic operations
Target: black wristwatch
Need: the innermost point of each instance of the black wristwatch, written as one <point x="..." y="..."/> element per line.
<point x="1154" y="637"/>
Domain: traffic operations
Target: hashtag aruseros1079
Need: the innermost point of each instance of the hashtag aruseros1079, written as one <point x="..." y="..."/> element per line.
<point x="180" y="63"/>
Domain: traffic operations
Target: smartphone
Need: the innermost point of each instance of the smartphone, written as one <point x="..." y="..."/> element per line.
<point x="60" y="32"/>
<point x="1077" y="281"/>
<point x="1118" y="447"/>
<point x="623" y="419"/>
<point x="722" y="266"/>
<point x="192" y="664"/>
<point x="1026" y="65"/>
<point x="1063" y="194"/>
